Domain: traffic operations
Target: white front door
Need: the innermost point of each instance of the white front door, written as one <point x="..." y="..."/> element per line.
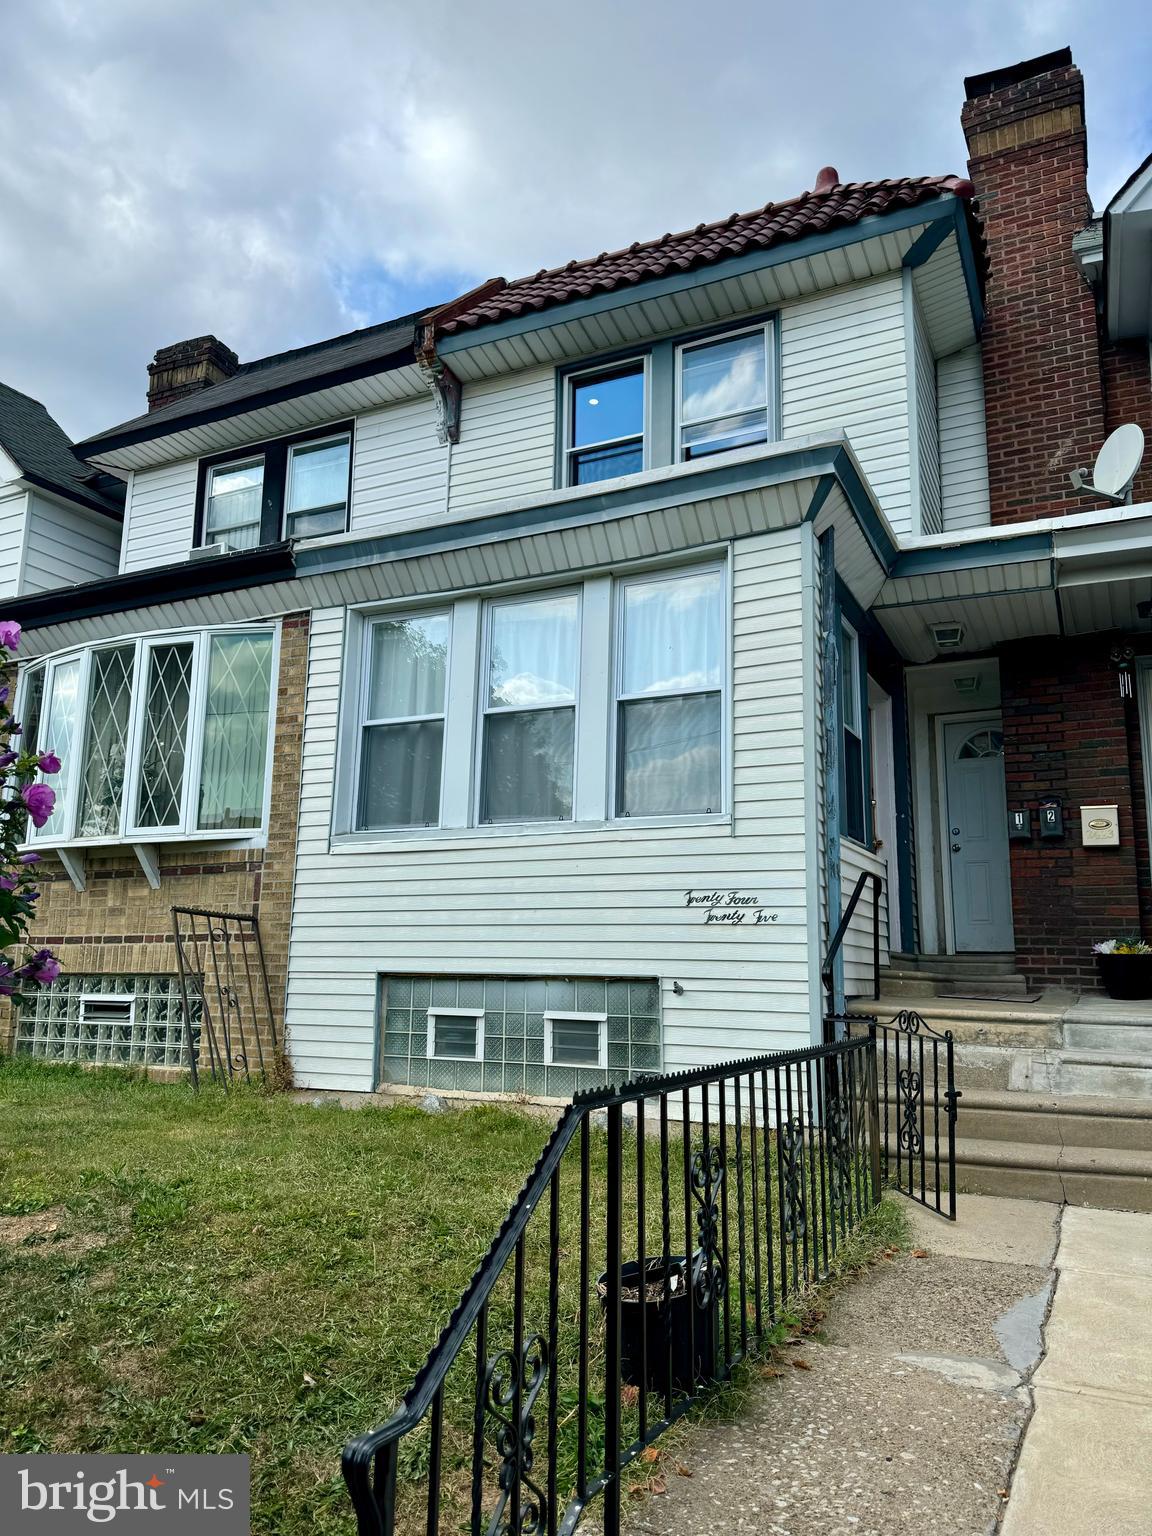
<point x="976" y="835"/>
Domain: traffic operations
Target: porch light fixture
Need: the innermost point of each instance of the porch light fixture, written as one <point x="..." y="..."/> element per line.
<point x="969" y="684"/>
<point x="947" y="635"/>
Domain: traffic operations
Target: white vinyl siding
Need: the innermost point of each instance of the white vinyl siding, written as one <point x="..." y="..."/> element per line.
<point x="927" y="428"/>
<point x="13" y="520"/>
<point x="66" y="545"/>
<point x="507" y="441"/>
<point x="854" y="859"/>
<point x="843" y="365"/>
<point x="399" y="468"/>
<point x="159" y="516"/>
<point x="604" y="900"/>
<point x="963" y="440"/>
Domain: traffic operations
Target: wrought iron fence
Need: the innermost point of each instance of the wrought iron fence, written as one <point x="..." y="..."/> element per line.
<point x="666" y="1229"/>
<point x="225" y="999"/>
<point x="916" y="1080"/>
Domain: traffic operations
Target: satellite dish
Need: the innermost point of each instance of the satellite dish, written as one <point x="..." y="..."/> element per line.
<point x="1117" y="465"/>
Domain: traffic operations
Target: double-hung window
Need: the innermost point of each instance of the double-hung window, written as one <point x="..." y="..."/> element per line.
<point x="530" y="680"/>
<point x="724" y="393"/>
<point x="670" y="691"/>
<point x="158" y="736"/>
<point x="288" y="488"/>
<point x="402" y="729"/>
<point x="605" y="424"/>
<point x="853" y="821"/>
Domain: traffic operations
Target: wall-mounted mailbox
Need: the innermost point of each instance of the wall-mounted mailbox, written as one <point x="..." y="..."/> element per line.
<point x="1019" y="825"/>
<point x="1051" y="819"/>
<point x="1099" y="826"/>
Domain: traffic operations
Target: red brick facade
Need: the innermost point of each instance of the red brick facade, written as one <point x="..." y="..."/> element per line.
<point x="1068" y="733"/>
<point x="1128" y="397"/>
<point x="1042" y="386"/>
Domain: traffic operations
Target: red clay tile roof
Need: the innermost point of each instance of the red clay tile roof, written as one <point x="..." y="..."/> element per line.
<point x="832" y="206"/>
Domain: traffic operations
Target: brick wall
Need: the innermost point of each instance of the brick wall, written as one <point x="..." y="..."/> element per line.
<point x="1128" y="397"/>
<point x="120" y="925"/>
<point x="1068" y="733"/>
<point x="1045" y="409"/>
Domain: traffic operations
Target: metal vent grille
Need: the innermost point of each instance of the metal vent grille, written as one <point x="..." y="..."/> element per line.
<point x="114" y="1020"/>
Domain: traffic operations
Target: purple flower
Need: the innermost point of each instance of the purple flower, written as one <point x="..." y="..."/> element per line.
<point x="8" y="758"/>
<point x="29" y="858"/>
<point x="9" y="634"/>
<point x="4" y="694"/>
<point x="49" y="762"/>
<point x="40" y="801"/>
<point x="8" y="882"/>
<point x="42" y="968"/>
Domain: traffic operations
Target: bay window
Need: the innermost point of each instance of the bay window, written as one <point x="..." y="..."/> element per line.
<point x="166" y="736"/>
<point x="724" y="393"/>
<point x="402" y="729"/>
<point x="529" y="732"/>
<point x="670" y="675"/>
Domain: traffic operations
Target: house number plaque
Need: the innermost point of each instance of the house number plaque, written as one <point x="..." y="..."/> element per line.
<point x="734" y="909"/>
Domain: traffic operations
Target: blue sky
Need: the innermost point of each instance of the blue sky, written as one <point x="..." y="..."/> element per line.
<point x="280" y="172"/>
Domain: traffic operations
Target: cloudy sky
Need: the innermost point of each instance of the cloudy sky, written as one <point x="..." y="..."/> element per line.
<point x="281" y="172"/>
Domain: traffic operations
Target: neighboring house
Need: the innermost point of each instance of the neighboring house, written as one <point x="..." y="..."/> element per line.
<point x="603" y="627"/>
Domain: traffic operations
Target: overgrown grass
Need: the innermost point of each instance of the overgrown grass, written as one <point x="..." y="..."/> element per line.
<point x="244" y="1273"/>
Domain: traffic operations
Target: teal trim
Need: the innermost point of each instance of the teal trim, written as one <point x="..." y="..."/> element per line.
<point x="966" y="557"/>
<point x="902" y="775"/>
<point x="924" y="245"/>
<point x="968" y="597"/>
<point x="871" y="524"/>
<point x="849" y="611"/>
<point x="833" y="751"/>
<point x="754" y="261"/>
<point x="663" y="401"/>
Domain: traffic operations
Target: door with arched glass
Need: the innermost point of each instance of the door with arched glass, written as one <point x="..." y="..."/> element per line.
<point x="976" y="836"/>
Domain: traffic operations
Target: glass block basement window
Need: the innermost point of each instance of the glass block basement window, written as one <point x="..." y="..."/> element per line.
<point x="117" y="1020"/>
<point x="512" y="1032"/>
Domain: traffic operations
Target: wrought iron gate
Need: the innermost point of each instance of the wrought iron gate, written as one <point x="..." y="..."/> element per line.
<point x="916" y="1071"/>
<point x="224" y="984"/>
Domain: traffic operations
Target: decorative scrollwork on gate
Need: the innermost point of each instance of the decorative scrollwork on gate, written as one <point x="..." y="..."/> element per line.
<point x="794" y="1216"/>
<point x="911" y="1110"/>
<point x="840" y="1152"/>
<point x="507" y="1374"/>
<point x="709" y="1277"/>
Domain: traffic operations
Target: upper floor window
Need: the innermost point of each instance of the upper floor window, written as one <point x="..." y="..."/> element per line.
<point x="290" y="488"/>
<point x="605" y="424"/>
<point x="158" y="736"/>
<point x="723" y="398"/>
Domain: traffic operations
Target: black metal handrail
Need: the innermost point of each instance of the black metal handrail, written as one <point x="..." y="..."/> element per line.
<point x="827" y="975"/>
<point x="775" y="1160"/>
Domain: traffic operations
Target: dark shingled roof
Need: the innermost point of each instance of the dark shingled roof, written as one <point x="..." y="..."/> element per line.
<point x="283" y="376"/>
<point x="812" y="213"/>
<point x="44" y="453"/>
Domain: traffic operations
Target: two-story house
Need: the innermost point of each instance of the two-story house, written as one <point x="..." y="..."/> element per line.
<point x="548" y="667"/>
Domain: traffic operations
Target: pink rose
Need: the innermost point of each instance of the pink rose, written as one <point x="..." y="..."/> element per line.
<point x="40" y="801"/>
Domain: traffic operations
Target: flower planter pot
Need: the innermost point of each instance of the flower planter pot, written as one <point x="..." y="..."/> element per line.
<point x="677" y="1350"/>
<point x="1126" y="976"/>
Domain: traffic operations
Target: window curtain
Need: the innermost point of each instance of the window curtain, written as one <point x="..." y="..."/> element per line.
<point x="235" y="731"/>
<point x="673" y="635"/>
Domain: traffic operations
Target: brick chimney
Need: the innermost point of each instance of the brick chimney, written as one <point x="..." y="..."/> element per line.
<point x="1027" y="145"/>
<point x="187" y="367"/>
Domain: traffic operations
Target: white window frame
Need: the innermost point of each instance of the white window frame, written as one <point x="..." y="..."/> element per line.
<point x="286" y="511"/>
<point x="61" y="831"/>
<point x="242" y="461"/>
<point x="484" y="709"/>
<point x="619" y="697"/>
<point x="577" y="1016"/>
<point x="108" y="997"/>
<point x="453" y="1013"/>
<point x="582" y="375"/>
<point x="768" y="329"/>
<point x="363" y="723"/>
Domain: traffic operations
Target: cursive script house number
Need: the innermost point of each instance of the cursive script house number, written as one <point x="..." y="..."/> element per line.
<point x="734" y="908"/>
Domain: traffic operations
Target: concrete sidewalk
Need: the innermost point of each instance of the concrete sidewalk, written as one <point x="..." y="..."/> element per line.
<point x="1086" y="1464"/>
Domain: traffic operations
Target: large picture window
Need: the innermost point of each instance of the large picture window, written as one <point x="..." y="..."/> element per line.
<point x="529" y="731"/>
<point x="157" y="737"/>
<point x="402" y="722"/>
<point x="670" y="695"/>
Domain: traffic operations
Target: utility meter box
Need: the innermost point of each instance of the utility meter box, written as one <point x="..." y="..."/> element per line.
<point x="1099" y="826"/>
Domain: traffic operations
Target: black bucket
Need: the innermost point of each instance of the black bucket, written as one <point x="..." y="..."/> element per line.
<point x="662" y="1315"/>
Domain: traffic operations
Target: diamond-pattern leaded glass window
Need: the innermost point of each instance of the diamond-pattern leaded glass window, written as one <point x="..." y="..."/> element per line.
<point x="165" y="738"/>
<point x="106" y="752"/>
<point x="235" y="731"/>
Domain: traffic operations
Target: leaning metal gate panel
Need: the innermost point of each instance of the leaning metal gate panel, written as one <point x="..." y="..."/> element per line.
<point x="224" y="980"/>
<point x="916" y="1072"/>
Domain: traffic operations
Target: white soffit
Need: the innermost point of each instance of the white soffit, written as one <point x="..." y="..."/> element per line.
<point x="987" y="621"/>
<point x="943" y="296"/>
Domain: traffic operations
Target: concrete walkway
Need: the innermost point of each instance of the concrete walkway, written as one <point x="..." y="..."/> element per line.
<point x="1086" y="1464"/>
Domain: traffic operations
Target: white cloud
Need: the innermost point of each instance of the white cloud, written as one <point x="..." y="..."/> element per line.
<point x="280" y="172"/>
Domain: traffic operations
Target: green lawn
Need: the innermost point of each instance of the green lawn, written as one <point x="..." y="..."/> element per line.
<point x="245" y="1273"/>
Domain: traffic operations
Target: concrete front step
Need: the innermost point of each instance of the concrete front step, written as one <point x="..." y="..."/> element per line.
<point x="1101" y="1074"/>
<point x="1049" y="1120"/>
<point x="996" y="964"/>
<point x="1107" y="1178"/>
<point x="948" y="984"/>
